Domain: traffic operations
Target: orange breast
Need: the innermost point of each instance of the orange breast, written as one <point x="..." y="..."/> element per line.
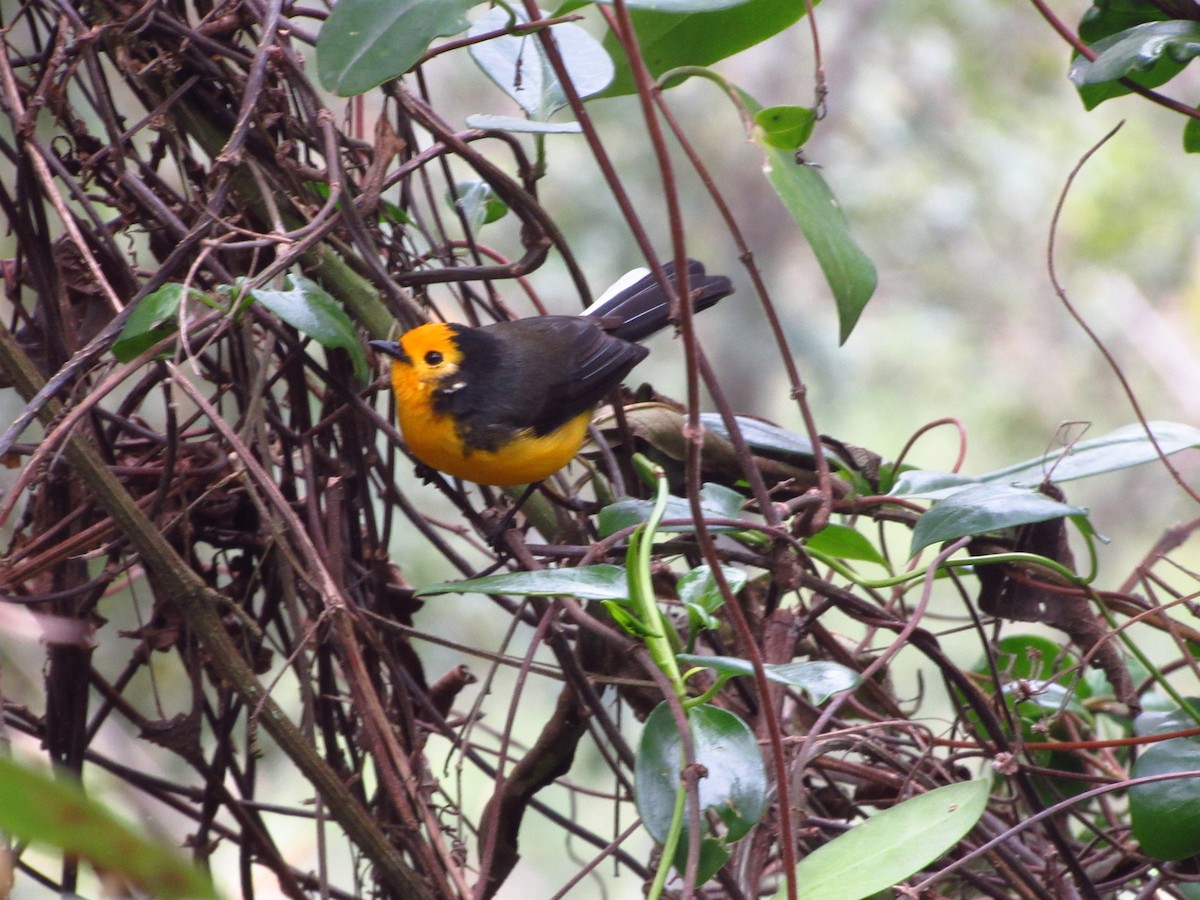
<point x="435" y="439"/>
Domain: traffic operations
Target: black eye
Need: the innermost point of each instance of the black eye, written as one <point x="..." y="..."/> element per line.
<point x="433" y="358"/>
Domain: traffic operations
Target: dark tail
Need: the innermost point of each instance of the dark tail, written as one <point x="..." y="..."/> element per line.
<point x="642" y="308"/>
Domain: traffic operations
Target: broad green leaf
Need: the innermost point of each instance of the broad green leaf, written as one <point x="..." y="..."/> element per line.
<point x="519" y="67"/>
<point x="669" y="40"/>
<point x="1137" y="50"/>
<point x="891" y="845"/>
<point x="784" y="127"/>
<point x="523" y="126"/>
<point x="364" y="43"/>
<point x="851" y="275"/>
<point x="1191" y="136"/>
<point x="820" y="679"/>
<point x="760" y="435"/>
<point x="1107" y="18"/>
<point x="1169" y="718"/>
<point x="924" y="485"/>
<point x="55" y="812"/>
<point x="699" y="587"/>
<point x="478" y="202"/>
<point x="1120" y="449"/>
<point x="154" y="318"/>
<point x="844" y="542"/>
<point x="716" y="501"/>
<point x="736" y="784"/>
<point x="678" y="6"/>
<point x="1165" y="814"/>
<point x="602" y="582"/>
<point x="307" y="307"/>
<point x="1028" y="656"/>
<point x="983" y="508"/>
<point x="701" y="598"/>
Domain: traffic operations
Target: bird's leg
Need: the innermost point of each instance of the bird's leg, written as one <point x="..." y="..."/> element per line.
<point x="496" y="534"/>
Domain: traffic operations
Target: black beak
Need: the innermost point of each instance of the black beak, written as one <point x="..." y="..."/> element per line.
<point x="391" y="348"/>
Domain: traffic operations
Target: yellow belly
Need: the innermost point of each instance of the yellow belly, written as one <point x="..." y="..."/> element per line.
<point x="434" y="440"/>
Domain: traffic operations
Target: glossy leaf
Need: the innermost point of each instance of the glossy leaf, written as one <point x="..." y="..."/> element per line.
<point x="364" y="43"/>
<point x="55" y="812"/>
<point x="785" y="127"/>
<point x="601" y="582"/>
<point x="844" y="542"/>
<point x="806" y="196"/>
<point x="153" y="319"/>
<point x="819" y="678"/>
<point x="920" y="484"/>
<point x="1121" y="449"/>
<point x="668" y="40"/>
<point x="519" y="67"/>
<point x="891" y="845"/>
<point x="983" y="508"/>
<point x="308" y="308"/>
<point x="1108" y="17"/>
<point x="679" y="6"/>
<point x="1137" y="50"/>
<point x="521" y="126"/>
<point x="1028" y="656"/>
<point x="700" y="597"/>
<point x="1191" y="136"/>
<point x="716" y="501"/>
<point x="760" y="435"/>
<point x="1166" y="814"/>
<point x="736" y="784"/>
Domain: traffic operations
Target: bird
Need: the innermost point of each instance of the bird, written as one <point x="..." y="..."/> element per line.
<point x="509" y="403"/>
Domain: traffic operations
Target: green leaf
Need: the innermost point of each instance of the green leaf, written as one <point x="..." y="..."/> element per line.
<point x="1107" y="17"/>
<point x="1169" y="718"/>
<point x="153" y="319"/>
<point x="820" y="679"/>
<point x="1137" y="50"/>
<point x="478" y="202"/>
<point x="851" y="275"/>
<point x="891" y="845"/>
<point x="628" y="621"/>
<point x="713" y="853"/>
<point x="55" y="812"/>
<point x="760" y="435"/>
<point x="1028" y="656"/>
<point x="784" y="127"/>
<point x="1165" y="814"/>
<point x="699" y="588"/>
<point x="601" y="582"/>
<point x="844" y="542"/>
<point x="716" y="501"/>
<point x="522" y="126"/>
<point x="519" y="67"/>
<point x="736" y="784"/>
<point x="306" y="306"/>
<point x="930" y="485"/>
<point x="678" y="6"/>
<point x="1047" y="697"/>
<point x="1191" y="136"/>
<point x="669" y="40"/>
<point x="701" y="598"/>
<point x="367" y="42"/>
<point x="1120" y="449"/>
<point x="983" y="508"/>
